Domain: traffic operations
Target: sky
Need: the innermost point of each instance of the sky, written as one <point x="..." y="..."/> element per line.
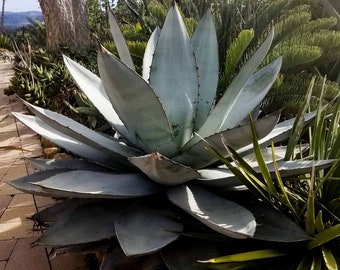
<point x="21" y="5"/>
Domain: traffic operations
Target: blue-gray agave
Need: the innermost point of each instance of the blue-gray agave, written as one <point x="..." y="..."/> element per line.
<point x="136" y="182"/>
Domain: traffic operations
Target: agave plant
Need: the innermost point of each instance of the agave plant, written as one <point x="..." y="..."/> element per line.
<point x="132" y="189"/>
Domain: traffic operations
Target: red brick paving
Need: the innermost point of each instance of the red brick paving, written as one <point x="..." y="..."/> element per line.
<point x="16" y="232"/>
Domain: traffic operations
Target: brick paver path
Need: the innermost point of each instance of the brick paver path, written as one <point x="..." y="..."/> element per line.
<point x="16" y="232"/>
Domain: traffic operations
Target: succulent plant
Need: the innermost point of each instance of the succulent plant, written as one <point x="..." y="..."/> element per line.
<point x="132" y="189"/>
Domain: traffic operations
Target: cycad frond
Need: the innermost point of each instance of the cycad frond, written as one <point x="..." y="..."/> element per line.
<point x="288" y="24"/>
<point x="290" y="93"/>
<point x="294" y="54"/>
<point x="235" y="53"/>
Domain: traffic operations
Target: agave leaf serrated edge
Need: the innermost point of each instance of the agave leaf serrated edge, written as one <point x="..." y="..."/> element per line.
<point x="126" y="89"/>
<point x="220" y="113"/>
<point x="107" y="158"/>
<point x="174" y="76"/>
<point x="204" y="42"/>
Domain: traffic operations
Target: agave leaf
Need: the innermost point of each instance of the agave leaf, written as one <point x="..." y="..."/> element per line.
<point x="143" y="230"/>
<point x="279" y="133"/>
<point x="89" y="184"/>
<point x="218" y="177"/>
<point x="173" y="75"/>
<point x="52" y="213"/>
<point x="121" y="46"/>
<point x="86" y="223"/>
<point x="71" y="164"/>
<point x="79" y="148"/>
<point x="273" y="226"/>
<point x="197" y="156"/>
<point x="234" y="96"/>
<point x="163" y="170"/>
<point x="234" y="106"/>
<point x="93" y="88"/>
<point x="204" y="42"/>
<point x="149" y="53"/>
<point x="298" y="167"/>
<point x="219" y="214"/>
<point x="26" y="183"/>
<point x="184" y="254"/>
<point x="222" y="177"/>
<point x="126" y="89"/>
<point x="81" y="133"/>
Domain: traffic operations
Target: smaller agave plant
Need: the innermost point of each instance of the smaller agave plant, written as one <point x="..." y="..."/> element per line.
<point x="138" y="193"/>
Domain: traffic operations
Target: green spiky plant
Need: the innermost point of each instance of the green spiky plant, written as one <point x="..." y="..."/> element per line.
<point x="312" y="200"/>
<point x="153" y="187"/>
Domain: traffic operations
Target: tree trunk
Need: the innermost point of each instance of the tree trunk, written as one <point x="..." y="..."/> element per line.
<point x="66" y="22"/>
<point x="3" y="17"/>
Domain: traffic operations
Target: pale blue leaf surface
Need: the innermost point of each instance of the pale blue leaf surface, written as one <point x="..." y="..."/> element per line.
<point x="221" y="215"/>
<point x="204" y="41"/>
<point x="121" y="46"/>
<point x="149" y="53"/>
<point x="142" y="230"/>
<point x="221" y="111"/>
<point x="163" y="170"/>
<point x="73" y="145"/>
<point x="93" y="88"/>
<point x="90" y="184"/>
<point x="146" y="120"/>
<point x="173" y="75"/>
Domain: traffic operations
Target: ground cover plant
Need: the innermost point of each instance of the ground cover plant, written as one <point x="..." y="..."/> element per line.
<point x="152" y="196"/>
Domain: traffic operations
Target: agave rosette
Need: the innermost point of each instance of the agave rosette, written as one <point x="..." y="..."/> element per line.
<point x="164" y="119"/>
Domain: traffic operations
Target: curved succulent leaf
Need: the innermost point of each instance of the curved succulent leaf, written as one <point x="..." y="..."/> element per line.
<point x="276" y="227"/>
<point x="163" y="170"/>
<point x="279" y="133"/>
<point x="197" y="155"/>
<point x="82" y="133"/>
<point x="204" y="42"/>
<point x="86" y="223"/>
<point x="143" y="230"/>
<point x="234" y="106"/>
<point x="26" y="183"/>
<point x="149" y="53"/>
<point x="222" y="177"/>
<point x="221" y="215"/>
<point x="93" y="88"/>
<point x="218" y="177"/>
<point x="52" y="213"/>
<point x="225" y="104"/>
<point x="121" y="46"/>
<point x="71" y="164"/>
<point x="126" y="89"/>
<point x="79" y="148"/>
<point x="173" y="75"/>
<point x="89" y="184"/>
<point x="298" y="167"/>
